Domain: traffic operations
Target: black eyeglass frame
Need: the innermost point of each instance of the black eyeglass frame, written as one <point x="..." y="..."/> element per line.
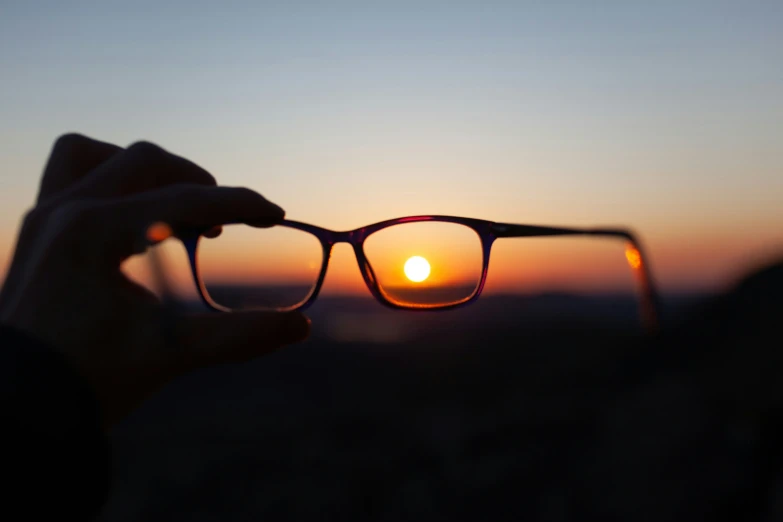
<point x="488" y="232"/>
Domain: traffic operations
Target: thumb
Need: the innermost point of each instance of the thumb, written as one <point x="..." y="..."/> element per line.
<point x="212" y="339"/>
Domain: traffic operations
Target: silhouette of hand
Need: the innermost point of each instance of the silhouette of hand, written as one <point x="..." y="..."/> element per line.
<point x="65" y="285"/>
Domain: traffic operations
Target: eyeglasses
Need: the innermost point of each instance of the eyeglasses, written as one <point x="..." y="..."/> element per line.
<point x="411" y="263"/>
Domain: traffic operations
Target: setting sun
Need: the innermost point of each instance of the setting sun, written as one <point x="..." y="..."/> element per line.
<point x="417" y="269"/>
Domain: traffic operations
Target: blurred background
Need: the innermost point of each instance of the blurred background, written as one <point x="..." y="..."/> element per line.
<point x="663" y="117"/>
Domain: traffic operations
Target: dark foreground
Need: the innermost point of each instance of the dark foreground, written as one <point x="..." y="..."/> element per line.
<point x="512" y="409"/>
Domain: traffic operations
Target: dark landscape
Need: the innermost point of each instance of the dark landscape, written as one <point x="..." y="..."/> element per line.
<point x="493" y="412"/>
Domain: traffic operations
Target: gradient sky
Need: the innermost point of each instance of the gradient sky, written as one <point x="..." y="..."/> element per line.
<point x="663" y="116"/>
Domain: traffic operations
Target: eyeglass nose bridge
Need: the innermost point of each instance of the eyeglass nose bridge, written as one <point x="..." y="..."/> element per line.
<point x="356" y="239"/>
<point x="353" y="237"/>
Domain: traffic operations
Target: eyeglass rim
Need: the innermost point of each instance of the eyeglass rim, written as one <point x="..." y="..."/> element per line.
<point x="488" y="232"/>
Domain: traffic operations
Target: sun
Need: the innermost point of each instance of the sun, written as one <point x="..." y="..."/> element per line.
<point x="417" y="269"/>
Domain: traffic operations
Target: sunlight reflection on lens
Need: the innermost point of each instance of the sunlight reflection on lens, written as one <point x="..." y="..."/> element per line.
<point x="158" y="232"/>
<point x="633" y="256"/>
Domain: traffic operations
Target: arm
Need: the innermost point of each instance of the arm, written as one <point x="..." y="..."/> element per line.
<point x="81" y="344"/>
<point x="650" y="307"/>
<point x="513" y="230"/>
<point x="56" y="456"/>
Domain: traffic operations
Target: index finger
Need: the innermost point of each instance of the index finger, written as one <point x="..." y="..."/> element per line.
<point x="186" y="209"/>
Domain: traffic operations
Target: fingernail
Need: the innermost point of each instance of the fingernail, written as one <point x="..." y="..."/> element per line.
<point x="276" y="209"/>
<point x="267" y="207"/>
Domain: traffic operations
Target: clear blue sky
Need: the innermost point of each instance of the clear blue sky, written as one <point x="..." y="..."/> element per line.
<point x="664" y="116"/>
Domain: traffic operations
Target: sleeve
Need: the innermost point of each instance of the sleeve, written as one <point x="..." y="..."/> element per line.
<point x="55" y="455"/>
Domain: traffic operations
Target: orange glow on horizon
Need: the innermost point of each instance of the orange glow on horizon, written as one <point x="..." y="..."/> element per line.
<point x="414" y="259"/>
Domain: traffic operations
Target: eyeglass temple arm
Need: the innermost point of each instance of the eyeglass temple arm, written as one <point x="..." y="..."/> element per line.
<point x="650" y="305"/>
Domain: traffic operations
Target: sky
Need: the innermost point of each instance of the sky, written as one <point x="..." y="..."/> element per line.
<point x="665" y="117"/>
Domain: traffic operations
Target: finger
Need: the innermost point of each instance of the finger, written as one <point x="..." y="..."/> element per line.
<point x="141" y="167"/>
<point x="186" y="209"/>
<point x="211" y="339"/>
<point x="73" y="156"/>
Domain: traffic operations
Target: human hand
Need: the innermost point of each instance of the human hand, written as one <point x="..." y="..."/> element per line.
<point x="65" y="286"/>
